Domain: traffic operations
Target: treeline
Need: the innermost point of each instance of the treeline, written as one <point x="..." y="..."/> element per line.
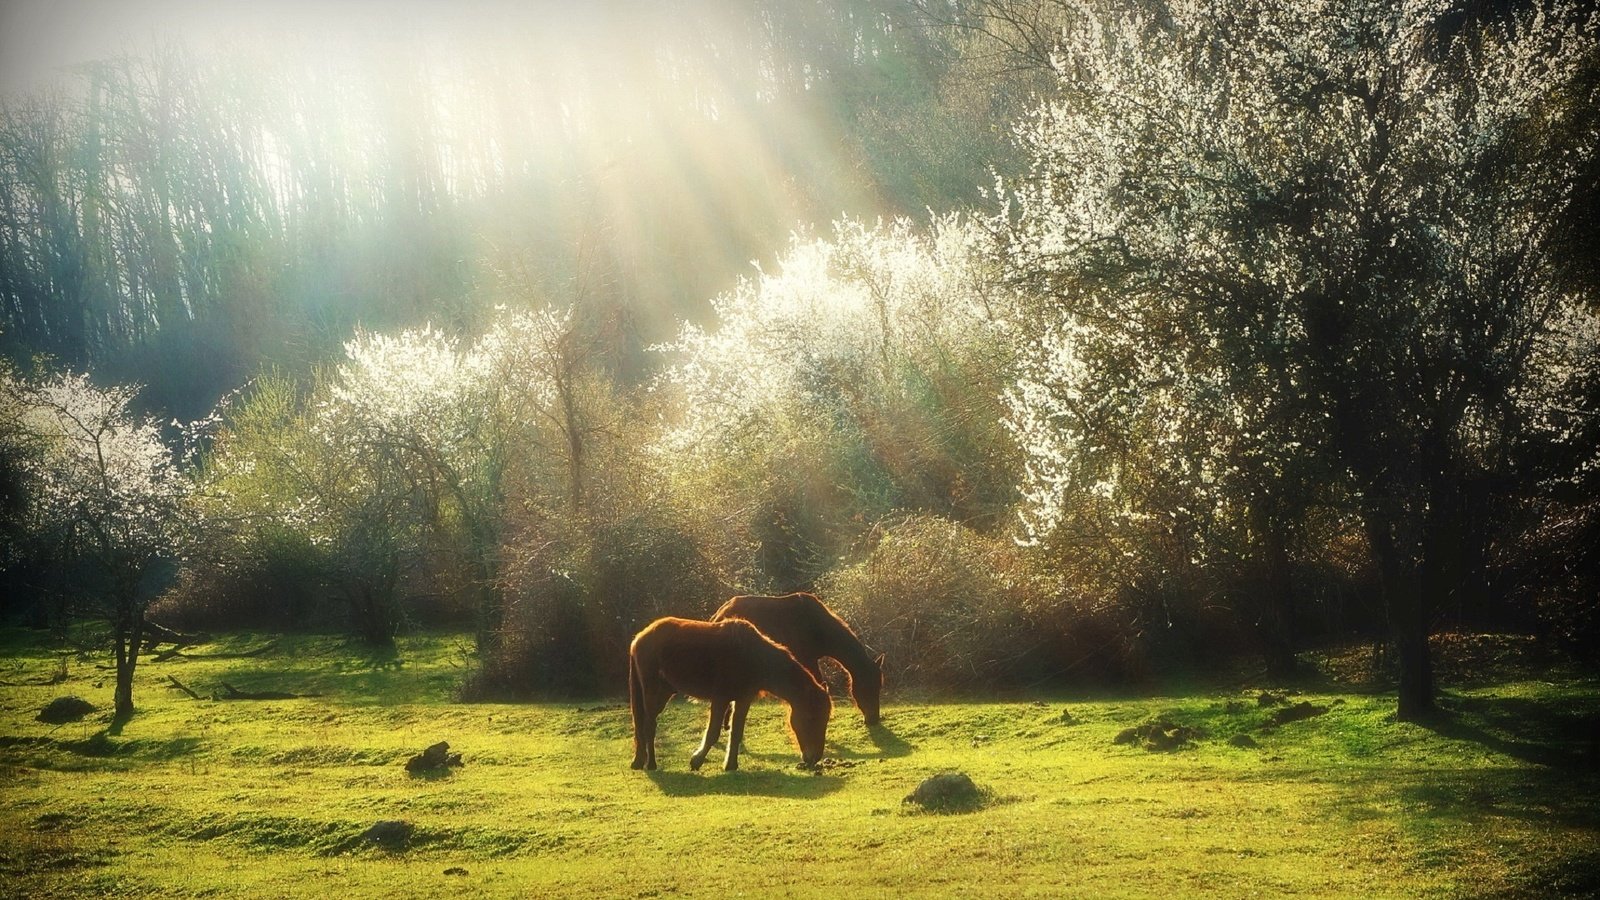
<point x="1284" y="331"/>
<point x="186" y="218"/>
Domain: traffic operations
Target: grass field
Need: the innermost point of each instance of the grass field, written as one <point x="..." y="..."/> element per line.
<point x="270" y="798"/>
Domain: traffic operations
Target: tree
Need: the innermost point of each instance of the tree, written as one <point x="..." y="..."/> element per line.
<point x="103" y="489"/>
<point x="861" y="378"/>
<point x="1305" y="244"/>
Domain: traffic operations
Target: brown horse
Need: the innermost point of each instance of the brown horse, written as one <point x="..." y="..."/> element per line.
<point x="730" y="664"/>
<point x="811" y="631"/>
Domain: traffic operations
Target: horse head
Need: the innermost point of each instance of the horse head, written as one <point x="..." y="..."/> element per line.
<point x="868" y="692"/>
<point x="808" y="720"/>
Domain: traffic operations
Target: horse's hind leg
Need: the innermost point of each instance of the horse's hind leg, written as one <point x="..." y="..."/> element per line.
<point x="741" y="708"/>
<point x="637" y="707"/>
<point x="719" y="709"/>
<point x="652" y="696"/>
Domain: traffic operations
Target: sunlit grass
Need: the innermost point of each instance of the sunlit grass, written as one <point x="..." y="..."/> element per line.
<point x="269" y="798"/>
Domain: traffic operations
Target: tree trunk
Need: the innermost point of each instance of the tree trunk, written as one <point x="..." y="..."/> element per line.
<point x="1408" y="621"/>
<point x="1276" y="612"/>
<point x="129" y="631"/>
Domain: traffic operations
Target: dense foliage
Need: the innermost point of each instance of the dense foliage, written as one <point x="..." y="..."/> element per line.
<point x="1270" y="334"/>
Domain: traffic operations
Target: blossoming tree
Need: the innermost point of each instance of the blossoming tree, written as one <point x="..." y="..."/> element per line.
<point x="1282" y="245"/>
<point x="102" y="487"/>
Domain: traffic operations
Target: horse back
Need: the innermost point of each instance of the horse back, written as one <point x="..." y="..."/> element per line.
<point x="798" y="621"/>
<point x="728" y="660"/>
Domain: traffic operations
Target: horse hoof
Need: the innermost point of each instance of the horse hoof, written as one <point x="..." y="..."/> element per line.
<point x="637" y="764"/>
<point x="650" y="766"/>
<point x="694" y="764"/>
<point x="731" y="767"/>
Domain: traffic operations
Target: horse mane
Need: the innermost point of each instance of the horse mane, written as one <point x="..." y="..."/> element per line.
<point x="748" y="628"/>
<point x="854" y="641"/>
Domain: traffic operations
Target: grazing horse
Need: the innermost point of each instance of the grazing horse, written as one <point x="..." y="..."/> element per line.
<point x="730" y="664"/>
<point x="811" y="631"/>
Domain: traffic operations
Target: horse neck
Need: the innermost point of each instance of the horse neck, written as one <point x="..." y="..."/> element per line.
<point x="844" y="646"/>
<point x="790" y="680"/>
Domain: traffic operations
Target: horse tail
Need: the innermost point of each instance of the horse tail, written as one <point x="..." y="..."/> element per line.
<point x="635" y="686"/>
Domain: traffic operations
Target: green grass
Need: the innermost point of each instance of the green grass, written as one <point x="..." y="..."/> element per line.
<point x="269" y="798"/>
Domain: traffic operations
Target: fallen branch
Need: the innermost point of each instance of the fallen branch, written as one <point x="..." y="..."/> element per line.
<point x="175" y="653"/>
<point x="160" y="634"/>
<point x="185" y="688"/>
<point x="229" y="692"/>
<point x="57" y="677"/>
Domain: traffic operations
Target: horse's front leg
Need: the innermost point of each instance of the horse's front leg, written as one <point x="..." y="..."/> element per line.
<point x="741" y="708"/>
<point x="719" y="711"/>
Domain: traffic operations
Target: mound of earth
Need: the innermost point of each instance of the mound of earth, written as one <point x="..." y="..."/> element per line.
<point x="947" y="791"/>
<point x="390" y="834"/>
<point x="1301" y="710"/>
<point x="62" y="710"/>
<point x="1160" y="735"/>
<point x="436" y="758"/>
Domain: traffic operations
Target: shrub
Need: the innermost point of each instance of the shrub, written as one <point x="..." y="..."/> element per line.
<point x="576" y="598"/>
<point x="948" y="606"/>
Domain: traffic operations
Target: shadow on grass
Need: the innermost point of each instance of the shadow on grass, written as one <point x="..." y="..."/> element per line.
<point x="101" y="745"/>
<point x="1463" y="801"/>
<point x="383" y="656"/>
<point x="441" y="773"/>
<point x="1545" y="732"/>
<point x="1469" y="796"/>
<point x="885" y="744"/>
<point x="1441" y="810"/>
<point x="797" y="784"/>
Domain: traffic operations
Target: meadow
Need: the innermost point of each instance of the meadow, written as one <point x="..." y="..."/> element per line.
<point x="272" y="797"/>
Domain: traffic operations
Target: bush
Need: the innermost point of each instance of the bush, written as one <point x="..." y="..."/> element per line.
<point x="949" y="607"/>
<point x="575" y="603"/>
